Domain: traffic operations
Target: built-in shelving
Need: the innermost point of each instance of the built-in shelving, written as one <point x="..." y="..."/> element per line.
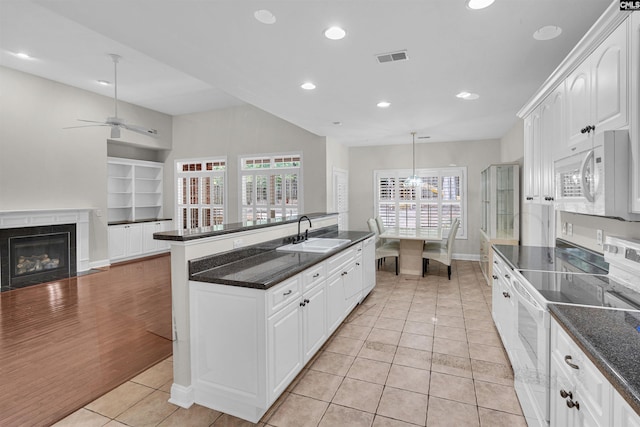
<point x="134" y="189"/>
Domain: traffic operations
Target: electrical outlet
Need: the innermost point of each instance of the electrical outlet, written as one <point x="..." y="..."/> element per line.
<point x="569" y="229"/>
<point x="564" y="228"/>
<point x="599" y="237"/>
<point x="237" y="243"/>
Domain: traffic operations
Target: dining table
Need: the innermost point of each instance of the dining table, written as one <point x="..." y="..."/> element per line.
<point x="411" y="244"/>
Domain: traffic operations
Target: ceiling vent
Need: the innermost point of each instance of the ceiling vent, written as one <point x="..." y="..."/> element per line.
<point x="401" y="55"/>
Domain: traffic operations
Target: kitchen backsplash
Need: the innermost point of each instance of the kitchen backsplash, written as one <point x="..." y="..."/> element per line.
<point x="583" y="229"/>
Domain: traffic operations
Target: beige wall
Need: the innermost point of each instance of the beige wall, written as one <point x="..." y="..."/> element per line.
<point x="43" y="166"/>
<point x="246" y="130"/>
<point x="475" y="155"/>
<point x="512" y="144"/>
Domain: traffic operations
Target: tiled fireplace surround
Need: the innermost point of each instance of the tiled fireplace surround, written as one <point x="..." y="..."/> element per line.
<point x="39" y="218"/>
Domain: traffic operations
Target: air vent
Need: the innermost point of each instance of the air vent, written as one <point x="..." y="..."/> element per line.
<point x="392" y="56"/>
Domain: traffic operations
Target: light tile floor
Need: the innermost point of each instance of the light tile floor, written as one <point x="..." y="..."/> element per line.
<point x="417" y="351"/>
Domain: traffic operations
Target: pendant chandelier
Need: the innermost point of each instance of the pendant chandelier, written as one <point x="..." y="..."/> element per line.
<point x="414" y="180"/>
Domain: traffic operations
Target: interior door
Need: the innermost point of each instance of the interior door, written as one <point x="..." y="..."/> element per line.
<point x="341" y="197"/>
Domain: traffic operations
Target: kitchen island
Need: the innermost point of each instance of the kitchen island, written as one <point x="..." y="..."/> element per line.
<point x="248" y="317"/>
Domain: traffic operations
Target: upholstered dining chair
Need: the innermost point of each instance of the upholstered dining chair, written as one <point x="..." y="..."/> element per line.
<point x="389" y="242"/>
<point x="441" y="252"/>
<point x="382" y="250"/>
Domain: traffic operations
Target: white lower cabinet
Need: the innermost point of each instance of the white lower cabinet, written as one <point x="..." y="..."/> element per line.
<point x="240" y="363"/>
<point x="580" y="395"/>
<point x="368" y="268"/>
<point x="128" y="241"/>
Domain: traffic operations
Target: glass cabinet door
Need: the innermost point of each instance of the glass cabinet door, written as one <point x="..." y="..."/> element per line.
<point x="500" y="209"/>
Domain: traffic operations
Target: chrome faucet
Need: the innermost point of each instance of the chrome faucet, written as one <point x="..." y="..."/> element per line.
<point x="299" y="237"/>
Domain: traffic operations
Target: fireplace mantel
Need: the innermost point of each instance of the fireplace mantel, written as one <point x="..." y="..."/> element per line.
<point x="36" y="217"/>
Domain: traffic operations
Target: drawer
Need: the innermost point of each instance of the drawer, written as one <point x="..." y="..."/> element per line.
<point x="282" y="294"/>
<point x="314" y="276"/>
<point x="337" y="261"/>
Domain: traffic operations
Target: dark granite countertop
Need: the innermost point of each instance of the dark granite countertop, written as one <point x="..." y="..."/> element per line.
<point x="217" y="230"/>
<point x="261" y="266"/>
<point x="139" y="221"/>
<point x="611" y="340"/>
<point x="563" y="257"/>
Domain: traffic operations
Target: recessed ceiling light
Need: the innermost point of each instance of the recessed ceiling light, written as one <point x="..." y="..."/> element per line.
<point x="479" y="4"/>
<point x="264" y="16"/>
<point x="547" y="33"/>
<point x="337" y="123"/>
<point x="23" y="55"/>
<point x="104" y="82"/>
<point x="383" y="104"/>
<point x="308" y="86"/>
<point x="335" y="33"/>
<point x="467" y="96"/>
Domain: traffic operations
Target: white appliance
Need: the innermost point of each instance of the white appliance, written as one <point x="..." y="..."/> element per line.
<point x="597" y="181"/>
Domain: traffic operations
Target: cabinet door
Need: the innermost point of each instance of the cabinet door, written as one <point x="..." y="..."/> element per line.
<point x="532" y="157"/>
<point x="117" y="242"/>
<point x="634" y="127"/>
<point x="164" y="245"/>
<point x="284" y="340"/>
<point x="134" y="240"/>
<point x="368" y="266"/>
<point x="314" y="320"/>
<point x="578" y="111"/>
<point x="609" y="84"/>
<point x="148" y="244"/>
<point x="623" y="414"/>
<point x="552" y="136"/>
<point x="559" y="413"/>
<point x="335" y="302"/>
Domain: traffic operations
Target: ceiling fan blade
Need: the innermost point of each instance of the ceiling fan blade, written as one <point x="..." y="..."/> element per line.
<point x="85" y="126"/>
<point x="91" y="121"/>
<point x="140" y="129"/>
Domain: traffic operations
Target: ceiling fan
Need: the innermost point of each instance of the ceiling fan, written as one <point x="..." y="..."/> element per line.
<point x="116" y="123"/>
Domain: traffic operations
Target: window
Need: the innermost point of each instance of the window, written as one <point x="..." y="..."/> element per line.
<point x="200" y="192"/>
<point x="440" y="199"/>
<point x="271" y="187"/>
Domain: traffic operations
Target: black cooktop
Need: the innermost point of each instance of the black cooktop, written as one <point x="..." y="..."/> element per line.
<point x="582" y="289"/>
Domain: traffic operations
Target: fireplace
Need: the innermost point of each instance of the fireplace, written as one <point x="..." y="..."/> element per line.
<point x="32" y="255"/>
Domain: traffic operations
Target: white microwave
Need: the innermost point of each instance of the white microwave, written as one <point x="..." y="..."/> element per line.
<point x="597" y="181"/>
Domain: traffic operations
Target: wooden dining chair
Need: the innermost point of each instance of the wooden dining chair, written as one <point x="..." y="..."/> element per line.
<point x="443" y="252"/>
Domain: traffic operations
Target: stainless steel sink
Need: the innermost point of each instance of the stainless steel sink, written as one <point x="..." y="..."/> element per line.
<point x="315" y="245"/>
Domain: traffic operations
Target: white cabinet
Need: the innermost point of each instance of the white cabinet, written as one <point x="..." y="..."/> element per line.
<point x="503" y="308"/>
<point x="623" y="414"/>
<point x="531" y="169"/>
<point x="634" y="128"/>
<point x="284" y="340"/>
<point x="368" y="269"/>
<point x="125" y="241"/>
<point x="597" y="93"/>
<point x="579" y="394"/>
<point x="128" y="241"/>
<point x="247" y="345"/>
<point x="134" y="189"/>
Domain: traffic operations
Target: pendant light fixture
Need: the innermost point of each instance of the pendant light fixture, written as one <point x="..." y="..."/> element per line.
<point x="414" y="180"/>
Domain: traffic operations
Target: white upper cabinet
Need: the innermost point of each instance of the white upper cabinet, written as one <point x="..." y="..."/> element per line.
<point x="552" y="134"/>
<point x="635" y="109"/>
<point x="597" y="93"/>
<point x="531" y="171"/>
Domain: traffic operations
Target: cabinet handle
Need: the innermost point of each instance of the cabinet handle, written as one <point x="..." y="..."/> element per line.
<point x="306" y="301"/>
<point x="495" y="262"/>
<point x="316" y="275"/>
<point x="302" y="304"/>
<point x="565" y="394"/>
<point x="507" y="276"/>
<point x="572" y="404"/>
<point x="359" y="249"/>
<point x="506" y="295"/>
<point x="344" y="273"/>
<point x="583" y="130"/>
<point x="357" y="263"/>
<point x="567" y="359"/>
<point x="287" y="293"/>
<point x="495" y="277"/>
<point x="529" y="198"/>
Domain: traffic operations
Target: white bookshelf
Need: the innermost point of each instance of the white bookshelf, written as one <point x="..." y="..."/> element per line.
<point x="134" y="190"/>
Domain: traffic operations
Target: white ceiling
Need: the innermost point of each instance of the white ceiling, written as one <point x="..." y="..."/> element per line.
<point x="184" y="56"/>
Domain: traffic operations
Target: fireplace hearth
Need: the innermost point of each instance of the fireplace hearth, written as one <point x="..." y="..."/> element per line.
<point x="33" y="255"/>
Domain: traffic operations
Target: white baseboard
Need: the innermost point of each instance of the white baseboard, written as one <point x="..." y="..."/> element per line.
<point x="182" y="396"/>
<point x="99" y="263"/>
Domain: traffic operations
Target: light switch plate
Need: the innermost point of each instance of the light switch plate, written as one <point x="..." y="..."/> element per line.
<point x="237" y="243"/>
<point x="599" y="237"/>
<point x="569" y="229"/>
<point x="564" y="228"/>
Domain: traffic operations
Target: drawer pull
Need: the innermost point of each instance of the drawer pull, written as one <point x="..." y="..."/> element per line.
<point x="572" y="404"/>
<point x="506" y="295"/>
<point x="302" y="304"/>
<point x="565" y="394"/>
<point x="495" y="277"/>
<point x="507" y="276"/>
<point x="357" y="263"/>
<point x="316" y="275"/>
<point x="567" y="359"/>
<point x="306" y="301"/>
<point x="344" y="273"/>
<point x="287" y="293"/>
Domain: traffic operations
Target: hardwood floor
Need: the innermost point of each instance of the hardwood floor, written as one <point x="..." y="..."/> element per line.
<point x="63" y="344"/>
